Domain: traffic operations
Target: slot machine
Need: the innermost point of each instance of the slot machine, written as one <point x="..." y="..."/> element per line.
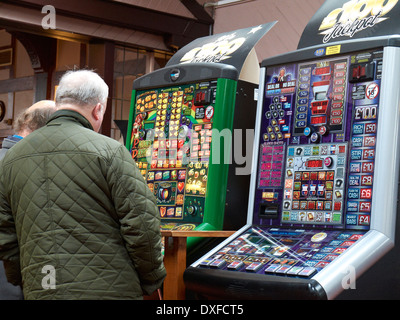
<point x="171" y="141"/>
<point x="181" y="126"/>
<point x="323" y="190"/>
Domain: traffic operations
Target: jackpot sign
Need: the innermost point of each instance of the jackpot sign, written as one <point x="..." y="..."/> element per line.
<point x="224" y="46"/>
<point x="355" y="16"/>
<point x="231" y="47"/>
<point x="216" y="51"/>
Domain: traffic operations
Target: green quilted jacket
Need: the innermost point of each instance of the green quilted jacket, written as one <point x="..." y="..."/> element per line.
<point x="77" y="216"/>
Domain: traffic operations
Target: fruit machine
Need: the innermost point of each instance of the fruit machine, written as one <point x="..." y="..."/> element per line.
<point x="181" y="136"/>
<point x="323" y="191"/>
<point x="171" y="141"/>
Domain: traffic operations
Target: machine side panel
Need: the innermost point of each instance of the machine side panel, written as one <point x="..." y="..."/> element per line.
<point x="255" y="159"/>
<point x="387" y="152"/>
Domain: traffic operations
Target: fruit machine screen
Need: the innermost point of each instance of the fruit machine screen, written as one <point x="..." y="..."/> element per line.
<point x="171" y="144"/>
<point x="314" y="184"/>
<point x="171" y="141"/>
<point x="317" y="145"/>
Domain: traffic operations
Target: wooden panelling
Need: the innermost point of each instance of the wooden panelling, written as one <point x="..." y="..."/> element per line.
<point x="167" y="6"/>
<point x="108" y="19"/>
<point x="13" y="85"/>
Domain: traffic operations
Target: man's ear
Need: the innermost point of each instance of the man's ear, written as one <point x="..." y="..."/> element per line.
<point x="97" y="111"/>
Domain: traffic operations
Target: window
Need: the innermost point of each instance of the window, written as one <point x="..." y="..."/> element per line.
<point x="130" y="64"/>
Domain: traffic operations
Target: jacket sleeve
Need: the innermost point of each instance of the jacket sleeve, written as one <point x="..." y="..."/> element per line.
<point x="137" y="212"/>
<point x="9" y="250"/>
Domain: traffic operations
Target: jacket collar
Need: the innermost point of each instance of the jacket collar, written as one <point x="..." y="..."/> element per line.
<point x="71" y="115"/>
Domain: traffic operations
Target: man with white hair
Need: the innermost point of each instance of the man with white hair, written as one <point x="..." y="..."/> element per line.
<point x="78" y="217"/>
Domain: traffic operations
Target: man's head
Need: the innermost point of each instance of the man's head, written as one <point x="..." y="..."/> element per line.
<point x="83" y="91"/>
<point x="34" y="117"/>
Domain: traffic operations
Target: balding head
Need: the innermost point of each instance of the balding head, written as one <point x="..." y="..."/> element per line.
<point x="43" y="105"/>
<point x="34" y="117"/>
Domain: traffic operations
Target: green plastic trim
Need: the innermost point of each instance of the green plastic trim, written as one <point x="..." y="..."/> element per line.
<point x="131" y="121"/>
<point x="218" y="172"/>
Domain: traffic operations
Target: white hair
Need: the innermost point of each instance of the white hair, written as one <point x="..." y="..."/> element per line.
<point x="82" y="88"/>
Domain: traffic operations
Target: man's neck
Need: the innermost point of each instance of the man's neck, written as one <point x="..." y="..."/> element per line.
<point x="23" y="133"/>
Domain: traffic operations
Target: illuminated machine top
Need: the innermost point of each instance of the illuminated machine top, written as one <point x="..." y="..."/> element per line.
<point x="345" y="21"/>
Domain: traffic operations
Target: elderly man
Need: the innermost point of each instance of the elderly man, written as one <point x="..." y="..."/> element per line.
<point x="78" y="212"/>
<point x="28" y="121"/>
